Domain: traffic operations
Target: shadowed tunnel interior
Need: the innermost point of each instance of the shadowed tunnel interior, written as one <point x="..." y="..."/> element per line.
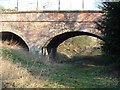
<point x="54" y="42"/>
<point x="9" y="36"/>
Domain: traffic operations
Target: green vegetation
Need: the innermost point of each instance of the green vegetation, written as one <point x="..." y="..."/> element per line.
<point x="22" y="70"/>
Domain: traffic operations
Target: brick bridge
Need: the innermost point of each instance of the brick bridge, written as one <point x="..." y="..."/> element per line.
<point x="42" y="32"/>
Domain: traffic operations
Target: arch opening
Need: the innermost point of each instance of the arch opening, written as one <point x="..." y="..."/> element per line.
<point x="80" y="46"/>
<point x="13" y="38"/>
<point x="54" y="42"/>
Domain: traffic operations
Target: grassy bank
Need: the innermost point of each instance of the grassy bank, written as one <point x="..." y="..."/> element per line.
<point x="20" y="70"/>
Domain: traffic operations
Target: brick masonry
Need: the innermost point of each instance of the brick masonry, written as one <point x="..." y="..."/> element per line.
<point x="36" y="28"/>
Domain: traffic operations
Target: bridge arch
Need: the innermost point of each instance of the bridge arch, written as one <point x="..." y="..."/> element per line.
<point x="52" y="44"/>
<point x="6" y="35"/>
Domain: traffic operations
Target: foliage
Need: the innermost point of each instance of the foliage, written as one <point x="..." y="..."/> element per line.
<point x="110" y="28"/>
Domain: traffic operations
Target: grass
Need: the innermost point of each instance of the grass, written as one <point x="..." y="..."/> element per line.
<point x="20" y="71"/>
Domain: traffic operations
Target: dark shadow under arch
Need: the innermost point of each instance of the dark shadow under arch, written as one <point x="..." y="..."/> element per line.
<point x="15" y="38"/>
<point x="57" y="40"/>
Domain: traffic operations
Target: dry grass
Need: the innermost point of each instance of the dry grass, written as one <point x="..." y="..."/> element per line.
<point x="10" y="44"/>
<point x="15" y="76"/>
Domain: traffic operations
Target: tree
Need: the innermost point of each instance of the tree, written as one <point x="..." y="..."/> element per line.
<point x="109" y="25"/>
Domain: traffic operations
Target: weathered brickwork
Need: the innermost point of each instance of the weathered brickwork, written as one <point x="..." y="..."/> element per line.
<point x="35" y="28"/>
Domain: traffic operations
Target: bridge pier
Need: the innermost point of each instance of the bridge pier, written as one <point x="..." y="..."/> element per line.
<point x="51" y="52"/>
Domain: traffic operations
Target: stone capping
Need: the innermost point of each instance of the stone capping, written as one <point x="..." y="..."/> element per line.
<point x="77" y="11"/>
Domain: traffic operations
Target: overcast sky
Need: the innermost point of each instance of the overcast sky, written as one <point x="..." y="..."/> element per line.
<point x="26" y="5"/>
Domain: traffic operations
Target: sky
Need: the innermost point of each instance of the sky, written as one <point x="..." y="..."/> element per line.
<point x="28" y="5"/>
